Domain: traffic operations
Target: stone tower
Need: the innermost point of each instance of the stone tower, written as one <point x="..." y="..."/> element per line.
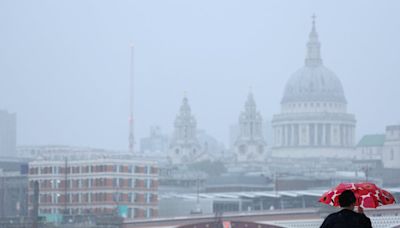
<point x="184" y="146"/>
<point x="250" y="145"/>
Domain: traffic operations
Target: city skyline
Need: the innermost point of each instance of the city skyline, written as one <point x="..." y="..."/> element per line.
<point x="73" y="90"/>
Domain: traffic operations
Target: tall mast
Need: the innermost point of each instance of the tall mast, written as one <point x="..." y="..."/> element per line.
<point x="131" y="88"/>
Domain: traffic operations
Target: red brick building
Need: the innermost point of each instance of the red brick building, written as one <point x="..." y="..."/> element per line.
<point x="95" y="187"/>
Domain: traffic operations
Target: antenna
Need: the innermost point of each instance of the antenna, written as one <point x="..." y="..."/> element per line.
<point x="131" y="88"/>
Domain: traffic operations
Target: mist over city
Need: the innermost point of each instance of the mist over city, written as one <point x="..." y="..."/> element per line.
<point x="198" y="113"/>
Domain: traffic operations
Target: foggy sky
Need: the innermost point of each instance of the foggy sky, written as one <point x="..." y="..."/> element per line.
<point x="64" y="65"/>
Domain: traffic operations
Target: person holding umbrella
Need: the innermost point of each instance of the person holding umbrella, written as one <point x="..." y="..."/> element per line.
<point x="347" y="217"/>
<point x="349" y="195"/>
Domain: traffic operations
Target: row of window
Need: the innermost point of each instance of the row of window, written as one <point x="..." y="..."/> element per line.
<point x="96" y="182"/>
<point x="293" y="105"/>
<point x="378" y="153"/>
<point x="99" y="197"/>
<point x="94" y="169"/>
<point x="130" y="213"/>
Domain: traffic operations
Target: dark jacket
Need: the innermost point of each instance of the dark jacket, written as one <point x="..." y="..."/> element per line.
<point x="346" y="219"/>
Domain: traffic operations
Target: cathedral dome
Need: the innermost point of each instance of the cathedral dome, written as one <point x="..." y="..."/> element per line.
<point x="316" y="83"/>
<point x="313" y="82"/>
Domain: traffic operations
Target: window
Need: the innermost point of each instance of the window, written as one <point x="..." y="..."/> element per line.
<point x="85" y="169"/>
<point x="148" y="213"/>
<point x="75" y="169"/>
<point x="131" y="213"/>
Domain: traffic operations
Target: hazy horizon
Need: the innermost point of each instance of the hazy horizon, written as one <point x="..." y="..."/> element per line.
<point x="64" y="65"/>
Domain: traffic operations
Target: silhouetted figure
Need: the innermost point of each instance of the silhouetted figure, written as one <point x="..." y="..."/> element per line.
<point x="347" y="217"/>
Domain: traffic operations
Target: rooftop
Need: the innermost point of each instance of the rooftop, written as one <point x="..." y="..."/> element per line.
<point x="372" y="140"/>
<point x="256" y="194"/>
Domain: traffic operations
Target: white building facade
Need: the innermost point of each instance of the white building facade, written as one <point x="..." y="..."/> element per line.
<point x="391" y="149"/>
<point x="250" y="145"/>
<point x="314" y="121"/>
<point x="370" y="147"/>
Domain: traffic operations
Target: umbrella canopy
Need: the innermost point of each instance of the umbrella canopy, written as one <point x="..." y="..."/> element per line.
<point x="368" y="195"/>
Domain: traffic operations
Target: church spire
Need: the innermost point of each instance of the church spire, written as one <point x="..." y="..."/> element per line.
<point x="250" y="103"/>
<point x="313" y="57"/>
<point x="185" y="108"/>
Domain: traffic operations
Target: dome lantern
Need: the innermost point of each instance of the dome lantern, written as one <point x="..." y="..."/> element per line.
<point x="313" y="57"/>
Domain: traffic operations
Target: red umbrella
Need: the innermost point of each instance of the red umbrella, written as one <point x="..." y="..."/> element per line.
<point x="368" y="195"/>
